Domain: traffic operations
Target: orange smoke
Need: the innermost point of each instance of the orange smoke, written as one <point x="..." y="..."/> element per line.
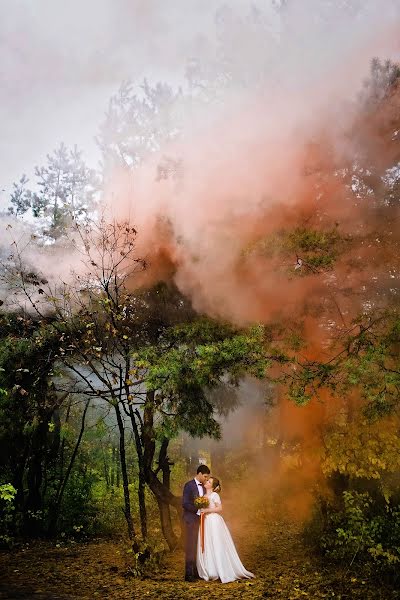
<point x="233" y="193"/>
<point x="261" y="168"/>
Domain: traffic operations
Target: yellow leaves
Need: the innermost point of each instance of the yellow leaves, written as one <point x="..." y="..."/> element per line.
<point x="387" y="493"/>
<point x="363" y="450"/>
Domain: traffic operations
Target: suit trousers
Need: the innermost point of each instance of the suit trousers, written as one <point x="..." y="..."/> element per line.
<point x="191" y="537"/>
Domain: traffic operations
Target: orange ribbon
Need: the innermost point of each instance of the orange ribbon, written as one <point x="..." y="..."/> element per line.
<point x="202" y="531"/>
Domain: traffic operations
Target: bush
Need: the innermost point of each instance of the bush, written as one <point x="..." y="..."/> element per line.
<point x="78" y="511"/>
<point x="7" y="496"/>
<point x="360" y="531"/>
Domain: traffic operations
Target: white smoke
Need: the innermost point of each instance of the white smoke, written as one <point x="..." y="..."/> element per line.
<point x="61" y="61"/>
<point x="286" y="67"/>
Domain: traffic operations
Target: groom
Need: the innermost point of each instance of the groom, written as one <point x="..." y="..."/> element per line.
<point x="191" y="519"/>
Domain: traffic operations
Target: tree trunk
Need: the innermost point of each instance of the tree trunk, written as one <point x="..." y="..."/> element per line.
<point x="55" y="511"/>
<point x="124" y="472"/>
<point x="142" y="477"/>
<point x="148" y="439"/>
<point x="113" y="462"/>
<point x="105" y="466"/>
<point x="19" y="465"/>
<point x="164" y="507"/>
<point x="117" y="468"/>
<point x="166" y="525"/>
<point x="161" y="491"/>
<point x="148" y="436"/>
<point x="62" y="457"/>
<point x="34" y="477"/>
<point x="142" y="506"/>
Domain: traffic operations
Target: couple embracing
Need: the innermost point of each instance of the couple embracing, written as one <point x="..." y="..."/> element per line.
<point x="209" y="552"/>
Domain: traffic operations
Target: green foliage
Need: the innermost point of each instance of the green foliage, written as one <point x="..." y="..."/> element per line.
<point x="373" y="363"/>
<point x="27" y="401"/>
<point x="190" y="359"/>
<point x="31" y="426"/>
<point x="7" y="492"/>
<point x="26" y="354"/>
<point x="307" y="378"/>
<point x="78" y="514"/>
<point x="311" y="240"/>
<point x="310" y="250"/>
<point x="7" y="508"/>
<point x="363" y="532"/>
<point x="65" y="191"/>
<point x="24" y="372"/>
<point x="366" y="360"/>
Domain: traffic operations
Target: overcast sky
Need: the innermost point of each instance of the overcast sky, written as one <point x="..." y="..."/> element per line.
<point x="60" y="62"/>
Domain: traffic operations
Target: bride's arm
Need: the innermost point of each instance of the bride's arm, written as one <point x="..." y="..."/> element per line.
<point x="217" y="508"/>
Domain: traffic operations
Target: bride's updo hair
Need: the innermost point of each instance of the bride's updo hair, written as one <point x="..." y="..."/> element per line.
<point x="216" y="486"/>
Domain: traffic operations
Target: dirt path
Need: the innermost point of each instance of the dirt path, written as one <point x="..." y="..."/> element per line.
<point x="284" y="569"/>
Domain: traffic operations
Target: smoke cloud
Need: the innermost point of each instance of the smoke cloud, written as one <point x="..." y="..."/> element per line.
<point x="249" y="164"/>
<point x="261" y="156"/>
<point x="266" y="159"/>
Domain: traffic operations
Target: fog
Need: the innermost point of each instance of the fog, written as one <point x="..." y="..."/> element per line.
<point x="295" y="74"/>
<point x="60" y="62"/>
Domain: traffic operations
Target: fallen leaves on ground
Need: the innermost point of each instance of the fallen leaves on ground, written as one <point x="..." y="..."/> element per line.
<point x="273" y="550"/>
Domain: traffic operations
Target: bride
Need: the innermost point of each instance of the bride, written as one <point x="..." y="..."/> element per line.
<point x="219" y="560"/>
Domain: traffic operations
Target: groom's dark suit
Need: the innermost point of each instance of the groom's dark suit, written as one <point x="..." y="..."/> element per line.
<point x="191" y="522"/>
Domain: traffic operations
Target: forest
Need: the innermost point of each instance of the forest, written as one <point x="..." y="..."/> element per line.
<point x="221" y="289"/>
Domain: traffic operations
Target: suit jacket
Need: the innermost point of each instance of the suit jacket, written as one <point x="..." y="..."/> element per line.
<point x="190" y="492"/>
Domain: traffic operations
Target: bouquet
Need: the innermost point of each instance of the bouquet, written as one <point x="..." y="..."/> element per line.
<point x="201" y="502"/>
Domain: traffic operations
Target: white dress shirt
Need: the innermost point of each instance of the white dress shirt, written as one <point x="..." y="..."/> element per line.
<point x="200" y="489"/>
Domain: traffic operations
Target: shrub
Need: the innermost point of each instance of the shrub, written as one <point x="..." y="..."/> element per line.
<point x="7" y="496"/>
<point x="360" y="531"/>
<point x="78" y="511"/>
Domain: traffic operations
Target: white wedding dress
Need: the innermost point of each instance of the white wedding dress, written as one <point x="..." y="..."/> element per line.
<point x="219" y="559"/>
